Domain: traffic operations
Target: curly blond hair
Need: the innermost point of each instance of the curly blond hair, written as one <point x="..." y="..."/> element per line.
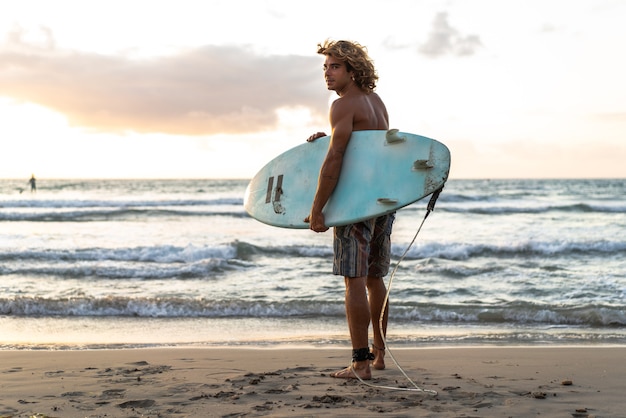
<point x="356" y="59"/>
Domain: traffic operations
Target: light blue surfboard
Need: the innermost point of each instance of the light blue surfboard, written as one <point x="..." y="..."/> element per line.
<point x="382" y="172"/>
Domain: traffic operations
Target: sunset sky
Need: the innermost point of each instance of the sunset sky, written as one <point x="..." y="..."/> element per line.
<point x="215" y="89"/>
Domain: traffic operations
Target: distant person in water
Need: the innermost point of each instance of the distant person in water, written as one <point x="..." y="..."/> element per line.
<point x="33" y="184"/>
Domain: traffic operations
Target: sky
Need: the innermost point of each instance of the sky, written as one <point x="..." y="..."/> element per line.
<point x="216" y="89"/>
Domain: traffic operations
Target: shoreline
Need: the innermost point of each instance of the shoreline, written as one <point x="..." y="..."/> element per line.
<point x="287" y="346"/>
<point x="79" y="333"/>
<point x="492" y="381"/>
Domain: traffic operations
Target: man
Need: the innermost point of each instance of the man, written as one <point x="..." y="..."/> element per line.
<point x="362" y="250"/>
<point x="33" y="184"/>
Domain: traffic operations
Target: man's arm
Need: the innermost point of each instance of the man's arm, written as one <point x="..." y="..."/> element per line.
<point x="341" y="121"/>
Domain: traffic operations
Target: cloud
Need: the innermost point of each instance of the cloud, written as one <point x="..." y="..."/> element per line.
<point x="533" y="158"/>
<point x="613" y="117"/>
<point x="206" y="90"/>
<point x="444" y="39"/>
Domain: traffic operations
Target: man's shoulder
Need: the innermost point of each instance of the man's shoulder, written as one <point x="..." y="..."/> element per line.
<point x="343" y="102"/>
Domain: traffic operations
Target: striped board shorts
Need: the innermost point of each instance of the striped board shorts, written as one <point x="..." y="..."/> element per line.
<point x="363" y="249"/>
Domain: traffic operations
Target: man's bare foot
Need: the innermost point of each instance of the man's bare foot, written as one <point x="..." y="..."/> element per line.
<point x="364" y="372"/>
<point x="379" y="357"/>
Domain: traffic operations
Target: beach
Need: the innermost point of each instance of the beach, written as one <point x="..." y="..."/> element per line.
<point x="580" y="381"/>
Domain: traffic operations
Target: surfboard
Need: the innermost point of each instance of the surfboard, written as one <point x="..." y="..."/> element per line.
<point x="382" y="172"/>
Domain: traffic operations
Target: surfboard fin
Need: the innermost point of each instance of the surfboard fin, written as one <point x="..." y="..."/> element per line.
<point x="392" y="137"/>
<point x="422" y="165"/>
<point x="387" y="201"/>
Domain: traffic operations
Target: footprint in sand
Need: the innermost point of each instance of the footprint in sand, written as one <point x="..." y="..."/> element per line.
<point x="143" y="403"/>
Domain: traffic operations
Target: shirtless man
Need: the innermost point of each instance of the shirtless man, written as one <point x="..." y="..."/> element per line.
<point x="362" y="250"/>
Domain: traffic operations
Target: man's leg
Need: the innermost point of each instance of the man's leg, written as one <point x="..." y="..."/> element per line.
<point x="357" y="311"/>
<point x="379" y="263"/>
<point x="358" y="315"/>
<point x="377" y="293"/>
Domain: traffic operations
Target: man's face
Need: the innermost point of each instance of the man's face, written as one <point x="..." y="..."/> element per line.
<point x="336" y="74"/>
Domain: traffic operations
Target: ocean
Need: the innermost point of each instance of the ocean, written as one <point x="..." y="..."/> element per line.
<point x="89" y="264"/>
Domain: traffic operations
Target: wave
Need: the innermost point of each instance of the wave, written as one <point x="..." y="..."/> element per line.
<point x="95" y="210"/>
<point x="113" y="214"/>
<point x="200" y="269"/>
<point x="117" y="213"/>
<point x="451" y="251"/>
<point x="119" y="203"/>
<point x="515" y="313"/>
<point x="157" y="254"/>
<point x="244" y="251"/>
<point x="166" y="253"/>
<point x="163" y="307"/>
<point x="147" y="262"/>
<point x="157" y="262"/>
<point x="496" y="209"/>
<point x="597" y="315"/>
<point x="77" y="210"/>
<point x="247" y="251"/>
<point x="464" y="251"/>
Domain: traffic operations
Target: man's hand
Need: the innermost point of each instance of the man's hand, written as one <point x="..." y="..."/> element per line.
<point x="316" y="223"/>
<point x="315" y="136"/>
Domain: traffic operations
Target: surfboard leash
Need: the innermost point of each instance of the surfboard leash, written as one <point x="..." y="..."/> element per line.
<point x="415" y="387"/>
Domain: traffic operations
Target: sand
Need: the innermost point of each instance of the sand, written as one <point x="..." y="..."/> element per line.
<point x="232" y="382"/>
